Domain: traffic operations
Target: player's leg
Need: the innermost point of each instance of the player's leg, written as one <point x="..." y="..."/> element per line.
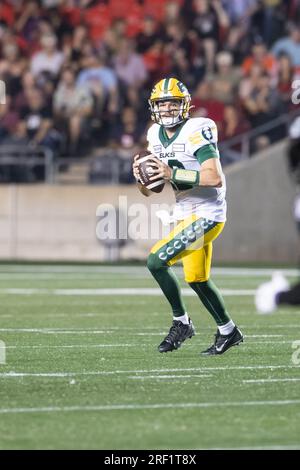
<point x="162" y="256"/>
<point x="197" y="265"/>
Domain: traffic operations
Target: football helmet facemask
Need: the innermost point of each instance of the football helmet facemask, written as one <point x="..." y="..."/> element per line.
<point x="170" y="89"/>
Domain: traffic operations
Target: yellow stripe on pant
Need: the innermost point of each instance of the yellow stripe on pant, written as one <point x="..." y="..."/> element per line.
<point x="190" y="241"/>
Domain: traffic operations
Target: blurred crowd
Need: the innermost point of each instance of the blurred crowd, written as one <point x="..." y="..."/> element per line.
<point x="78" y="73"/>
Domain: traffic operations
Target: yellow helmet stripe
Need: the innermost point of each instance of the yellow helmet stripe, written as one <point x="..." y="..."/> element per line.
<point x="173" y="85"/>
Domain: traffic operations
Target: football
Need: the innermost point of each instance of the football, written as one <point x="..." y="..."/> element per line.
<point x="146" y="171"/>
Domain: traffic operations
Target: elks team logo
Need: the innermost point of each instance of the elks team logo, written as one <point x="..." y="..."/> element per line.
<point x="207" y="133"/>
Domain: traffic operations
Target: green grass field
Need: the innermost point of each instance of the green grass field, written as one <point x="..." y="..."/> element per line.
<point x="83" y="372"/>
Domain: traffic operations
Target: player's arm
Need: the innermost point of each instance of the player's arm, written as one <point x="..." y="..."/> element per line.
<point x="135" y="168"/>
<point x="210" y="174"/>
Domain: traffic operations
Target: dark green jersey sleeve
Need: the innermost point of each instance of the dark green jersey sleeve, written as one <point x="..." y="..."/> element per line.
<point x="206" y="152"/>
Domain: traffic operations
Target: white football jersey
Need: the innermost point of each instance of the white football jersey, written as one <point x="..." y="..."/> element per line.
<point x="194" y="142"/>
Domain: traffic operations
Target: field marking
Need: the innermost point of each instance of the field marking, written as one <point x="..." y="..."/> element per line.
<point x="275" y="325"/>
<point x="168" y="376"/>
<point x="154" y="406"/>
<point x="150" y="291"/>
<point x="71" y="346"/>
<point x="54" y="331"/>
<point x="127" y="270"/>
<point x="121" y="345"/>
<point x="257" y="381"/>
<point x="265" y="447"/>
<point x="264" y="336"/>
<point x="130" y="331"/>
<point x="13" y="374"/>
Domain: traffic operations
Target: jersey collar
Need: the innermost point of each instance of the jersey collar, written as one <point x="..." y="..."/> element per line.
<point x="165" y="140"/>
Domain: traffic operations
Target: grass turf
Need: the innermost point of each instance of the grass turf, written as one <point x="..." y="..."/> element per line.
<point x="83" y="371"/>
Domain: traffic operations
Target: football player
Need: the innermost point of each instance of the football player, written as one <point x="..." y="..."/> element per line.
<point x="185" y="153"/>
<point x="270" y="295"/>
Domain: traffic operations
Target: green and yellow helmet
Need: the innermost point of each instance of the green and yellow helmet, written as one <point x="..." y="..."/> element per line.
<point x="166" y="90"/>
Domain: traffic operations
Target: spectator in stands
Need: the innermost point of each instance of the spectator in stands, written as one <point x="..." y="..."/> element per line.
<point x="209" y="19"/>
<point x="240" y="13"/>
<point x="12" y="65"/>
<point x="259" y="56"/>
<point x="205" y="105"/>
<point x="129" y="65"/>
<point x="148" y="36"/>
<point x="234" y="124"/>
<point x="250" y="82"/>
<point x="128" y="132"/>
<point x="72" y="107"/>
<point x="289" y="45"/>
<point x="239" y="10"/>
<point x="268" y="20"/>
<point x="50" y="59"/>
<point x="37" y="123"/>
<point x="131" y="71"/>
<point x="28" y="21"/>
<point x="73" y="47"/>
<point x="97" y="76"/>
<point x="262" y="105"/>
<point x="226" y="78"/>
<point x="284" y="79"/>
<point x="157" y="62"/>
<point x="8" y="120"/>
<point x="28" y="83"/>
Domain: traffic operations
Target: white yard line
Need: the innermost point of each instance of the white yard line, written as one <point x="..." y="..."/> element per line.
<point x="155" y="406"/>
<point x="128" y="270"/>
<point x="142" y="377"/>
<point x="54" y="331"/>
<point x="71" y="346"/>
<point x="262" y="381"/>
<point x="115" y="292"/>
<point x="275" y="325"/>
<point x="13" y="374"/>
<point x="264" y="336"/>
<point x="265" y="447"/>
<point x="121" y="345"/>
<point x="145" y="331"/>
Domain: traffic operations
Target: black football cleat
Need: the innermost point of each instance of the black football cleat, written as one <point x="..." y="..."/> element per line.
<point x="224" y="342"/>
<point x="178" y="333"/>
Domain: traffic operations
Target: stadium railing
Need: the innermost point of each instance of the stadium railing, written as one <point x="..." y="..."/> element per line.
<point x="245" y="140"/>
<point x="26" y="164"/>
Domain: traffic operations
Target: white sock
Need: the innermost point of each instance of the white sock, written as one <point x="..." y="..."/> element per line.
<point x="227" y="328"/>
<point x="184" y="319"/>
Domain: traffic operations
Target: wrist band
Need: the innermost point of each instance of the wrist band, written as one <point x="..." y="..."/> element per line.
<point x="185" y="176"/>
